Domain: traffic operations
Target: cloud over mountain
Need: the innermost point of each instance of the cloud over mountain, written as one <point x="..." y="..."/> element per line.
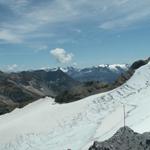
<point x="61" y="55"/>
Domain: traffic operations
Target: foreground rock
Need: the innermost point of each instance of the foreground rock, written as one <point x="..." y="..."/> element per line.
<point x="124" y="139"/>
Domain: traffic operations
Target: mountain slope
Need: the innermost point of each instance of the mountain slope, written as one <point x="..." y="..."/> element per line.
<point x="44" y="125"/>
<point x="19" y="89"/>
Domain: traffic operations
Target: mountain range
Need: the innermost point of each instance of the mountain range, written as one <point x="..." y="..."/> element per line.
<point x="19" y="89"/>
<point x="64" y="84"/>
<point x="103" y="73"/>
<point x="44" y="124"/>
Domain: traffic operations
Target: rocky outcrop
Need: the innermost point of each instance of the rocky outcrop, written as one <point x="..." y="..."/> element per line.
<point x="124" y="139"/>
<point x="139" y="63"/>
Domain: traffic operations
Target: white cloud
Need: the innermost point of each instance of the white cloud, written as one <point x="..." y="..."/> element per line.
<point x="45" y="17"/>
<point x="61" y="55"/>
<point x="111" y="13"/>
<point x="126" y="21"/>
<point x="9" y="37"/>
<point x="12" y="67"/>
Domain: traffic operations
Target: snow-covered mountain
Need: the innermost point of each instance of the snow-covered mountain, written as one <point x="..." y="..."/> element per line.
<point x="44" y="125"/>
<point x="104" y="73"/>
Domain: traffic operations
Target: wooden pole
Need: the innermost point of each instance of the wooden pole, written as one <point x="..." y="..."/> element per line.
<point x="124" y="114"/>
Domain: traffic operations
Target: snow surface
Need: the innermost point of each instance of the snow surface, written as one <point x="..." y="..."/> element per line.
<point x="44" y="125"/>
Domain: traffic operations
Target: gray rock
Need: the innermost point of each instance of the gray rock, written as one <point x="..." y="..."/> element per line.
<point x="124" y="139"/>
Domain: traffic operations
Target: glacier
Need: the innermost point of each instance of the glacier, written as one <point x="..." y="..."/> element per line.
<point x="45" y="125"/>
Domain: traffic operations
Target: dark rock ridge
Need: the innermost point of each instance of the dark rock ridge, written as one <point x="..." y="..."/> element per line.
<point x="124" y="139"/>
<point x="139" y="63"/>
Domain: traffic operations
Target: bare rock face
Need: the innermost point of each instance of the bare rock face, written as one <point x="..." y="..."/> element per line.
<point x="124" y="139"/>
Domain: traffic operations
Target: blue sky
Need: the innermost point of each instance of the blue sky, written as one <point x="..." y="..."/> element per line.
<point x="49" y="33"/>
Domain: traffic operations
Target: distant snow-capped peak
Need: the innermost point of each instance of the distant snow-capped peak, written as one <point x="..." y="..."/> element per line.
<point x="114" y="66"/>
